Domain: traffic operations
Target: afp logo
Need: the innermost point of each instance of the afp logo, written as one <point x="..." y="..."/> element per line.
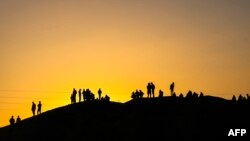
<point x="237" y="132"/>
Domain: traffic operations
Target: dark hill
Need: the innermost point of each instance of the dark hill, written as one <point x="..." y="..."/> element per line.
<point x="140" y="119"/>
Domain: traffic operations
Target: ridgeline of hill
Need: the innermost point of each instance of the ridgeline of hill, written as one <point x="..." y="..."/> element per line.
<point x="140" y="119"/>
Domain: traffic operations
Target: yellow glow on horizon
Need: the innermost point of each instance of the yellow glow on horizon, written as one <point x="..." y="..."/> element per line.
<point x="47" y="48"/>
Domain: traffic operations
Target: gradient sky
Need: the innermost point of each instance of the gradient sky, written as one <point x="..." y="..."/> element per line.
<point x="48" y="47"/>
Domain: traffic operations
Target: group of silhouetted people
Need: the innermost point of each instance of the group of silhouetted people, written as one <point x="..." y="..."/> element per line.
<point x="241" y="98"/>
<point x="39" y="108"/>
<point x="87" y="95"/>
<point x="106" y="98"/>
<point x="192" y="95"/>
<point x="151" y="93"/>
<point x="13" y="121"/>
<point x="137" y="94"/>
<point x="33" y="109"/>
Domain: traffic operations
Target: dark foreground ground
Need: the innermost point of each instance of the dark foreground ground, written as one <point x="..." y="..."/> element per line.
<point x="168" y="118"/>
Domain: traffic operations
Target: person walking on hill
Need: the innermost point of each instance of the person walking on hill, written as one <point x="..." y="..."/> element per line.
<point x="39" y="108"/>
<point x="33" y="108"/>
<point x="100" y="93"/>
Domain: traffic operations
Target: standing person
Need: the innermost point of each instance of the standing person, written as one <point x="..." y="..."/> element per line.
<point x="100" y="93"/>
<point x="33" y="108"/>
<point x="39" y="108"/>
<point x="80" y="94"/>
<point x="172" y="88"/>
<point x="73" y="96"/>
<point x="153" y="89"/>
<point x="83" y="95"/>
<point x="12" y="121"/>
<point x="149" y="90"/>
<point x="18" y="120"/>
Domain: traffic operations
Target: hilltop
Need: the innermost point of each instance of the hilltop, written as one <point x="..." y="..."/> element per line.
<point x="139" y="119"/>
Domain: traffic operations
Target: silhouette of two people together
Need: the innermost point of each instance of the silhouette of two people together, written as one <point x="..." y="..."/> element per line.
<point x="39" y="108"/>
<point x="13" y="121"/>
<point x="151" y="89"/>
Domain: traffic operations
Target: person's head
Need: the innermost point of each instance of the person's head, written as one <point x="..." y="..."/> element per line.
<point x="39" y="101"/>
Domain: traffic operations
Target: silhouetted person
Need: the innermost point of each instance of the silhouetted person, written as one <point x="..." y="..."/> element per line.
<point x="100" y="93"/>
<point x="92" y="97"/>
<point x="84" y="95"/>
<point x="33" y="108"/>
<point x="87" y="95"/>
<point x="12" y="121"/>
<point x="248" y="97"/>
<point x="189" y="94"/>
<point x="73" y="96"/>
<point x="18" y="120"/>
<point x="195" y="95"/>
<point x="140" y="94"/>
<point x="133" y="96"/>
<point x="137" y="94"/>
<point x="233" y="98"/>
<point x="172" y="88"/>
<point x="80" y="94"/>
<point x="174" y="94"/>
<point x="107" y="98"/>
<point x="240" y="98"/>
<point x="149" y="90"/>
<point x="244" y="99"/>
<point x="39" y="108"/>
<point x="160" y="93"/>
<point x="201" y="95"/>
<point x="181" y="95"/>
<point x="153" y="89"/>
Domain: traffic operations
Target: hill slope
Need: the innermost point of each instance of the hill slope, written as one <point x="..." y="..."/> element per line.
<point x="140" y="119"/>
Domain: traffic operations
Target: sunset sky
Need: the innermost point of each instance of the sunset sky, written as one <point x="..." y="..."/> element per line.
<point x="49" y="47"/>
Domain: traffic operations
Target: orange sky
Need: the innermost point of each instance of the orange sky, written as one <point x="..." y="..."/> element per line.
<point x="48" y="47"/>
